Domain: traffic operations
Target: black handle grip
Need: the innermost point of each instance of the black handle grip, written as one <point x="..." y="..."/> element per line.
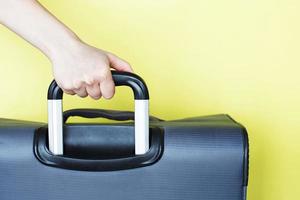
<point x="101" y="113"/>
<point x="135" y="82"/>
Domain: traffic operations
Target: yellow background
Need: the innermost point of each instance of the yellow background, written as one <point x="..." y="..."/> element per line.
<point x="198" y="57"/>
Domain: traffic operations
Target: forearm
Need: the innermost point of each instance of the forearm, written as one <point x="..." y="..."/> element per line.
<point x="35" y="24"/>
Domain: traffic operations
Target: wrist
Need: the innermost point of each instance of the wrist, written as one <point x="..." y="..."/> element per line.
<point x="61" y="45"/>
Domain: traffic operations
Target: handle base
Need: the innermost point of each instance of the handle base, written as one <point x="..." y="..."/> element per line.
<point x="151" y="157"/>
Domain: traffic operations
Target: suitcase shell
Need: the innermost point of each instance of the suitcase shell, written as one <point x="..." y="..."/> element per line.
<point x="203" y="158"/>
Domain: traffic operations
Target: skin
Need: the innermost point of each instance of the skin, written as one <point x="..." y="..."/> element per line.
<point x="78" y="68"/>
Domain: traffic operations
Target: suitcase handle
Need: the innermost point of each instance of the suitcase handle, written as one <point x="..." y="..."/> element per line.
<point x="141" y="96"/>
<point x="101" y="113"/>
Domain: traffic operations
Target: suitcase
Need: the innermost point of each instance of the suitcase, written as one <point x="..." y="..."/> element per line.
<point x="203" y="158"/>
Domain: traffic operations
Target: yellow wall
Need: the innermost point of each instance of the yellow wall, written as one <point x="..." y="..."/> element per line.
<point x="240" y="57"/>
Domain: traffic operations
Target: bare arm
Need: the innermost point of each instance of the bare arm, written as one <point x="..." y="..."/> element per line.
<point x="77" y="67"/>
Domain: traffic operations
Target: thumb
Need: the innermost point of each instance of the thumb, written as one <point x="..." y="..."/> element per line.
<point x="118" y="63"/>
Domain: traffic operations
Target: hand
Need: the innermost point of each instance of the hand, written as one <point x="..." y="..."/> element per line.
<point x="85" y="70"/>
<point x="78" y="68"/>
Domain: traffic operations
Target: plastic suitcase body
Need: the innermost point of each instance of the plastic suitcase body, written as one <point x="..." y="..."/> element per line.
<point x="203" y="158"/>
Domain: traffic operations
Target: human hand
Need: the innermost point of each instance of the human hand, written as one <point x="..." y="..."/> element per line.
<point x="78" y="68"/>
<point x="85" y="70"/>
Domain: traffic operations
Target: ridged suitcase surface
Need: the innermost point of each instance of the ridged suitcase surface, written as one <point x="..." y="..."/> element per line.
<point x="203" y="158"/>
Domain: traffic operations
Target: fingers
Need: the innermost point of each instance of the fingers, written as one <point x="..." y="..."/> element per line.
<point x="94" y="91"/>
<point x="106" y="88"/>
<point x="81" y="91"/>
<point x="101" y="85"/>
<point x="118" y="63"/>
<point x="70" y="92"/>
<point x="107" y="85"/>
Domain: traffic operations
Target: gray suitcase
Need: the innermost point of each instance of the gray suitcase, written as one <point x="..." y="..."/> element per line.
<point x="203" y="158"/>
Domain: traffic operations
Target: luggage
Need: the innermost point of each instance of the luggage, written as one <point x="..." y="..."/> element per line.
<point x="203" y="158"/>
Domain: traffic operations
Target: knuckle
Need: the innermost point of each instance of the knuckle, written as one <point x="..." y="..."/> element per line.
<point x="94" y="93"/>
<point x="104" y="75"/>
<point x="90" y="79"/>
<point x="97" y="93"/>
<point x="65" y="91"/>
<point x="82" y="95"/>
<point x="96" y="97"/>
<point x="77" y="84"/>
